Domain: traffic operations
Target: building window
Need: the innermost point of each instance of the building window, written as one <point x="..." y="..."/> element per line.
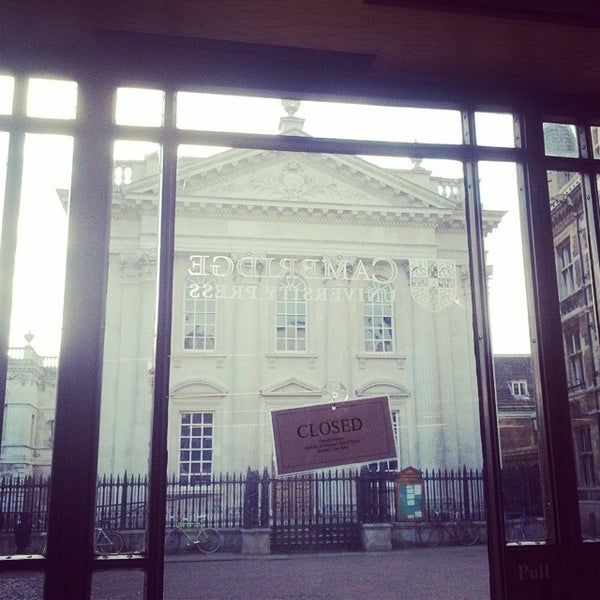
<point x="565" y="262"/>
<point x="574" y="360"/>
<point x="291" y="315"/>
<point x="195" y="447"/>
<point x="378" y="317"/>
<point x="518" y="388"/>
<point x="391" y="465"/>
<point x="200" y="313"/>
<point x="585" y="454"/>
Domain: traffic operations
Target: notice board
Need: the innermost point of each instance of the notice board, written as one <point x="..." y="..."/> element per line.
<point x="410" y="501"/>
<point x="410" y="494"/>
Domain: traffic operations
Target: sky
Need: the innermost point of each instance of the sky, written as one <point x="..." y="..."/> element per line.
<point x="39" y="274"/>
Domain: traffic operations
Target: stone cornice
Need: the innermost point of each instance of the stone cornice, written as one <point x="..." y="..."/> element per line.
<point x="251" y="210"/>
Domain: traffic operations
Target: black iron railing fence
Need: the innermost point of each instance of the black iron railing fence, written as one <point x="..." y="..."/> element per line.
<point x="449" y="492"/>
<point x="254" y="499"/>
<point x="23" y="495"/>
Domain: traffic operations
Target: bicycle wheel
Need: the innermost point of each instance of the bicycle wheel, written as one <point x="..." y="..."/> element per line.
<point x="172" y="542"/>
<point x="208" y="540"/>
<point x="109" y="542"/>
<point x="533" y="529"/>
<point x="466" y="533"/>
<point x="430" y="534"/>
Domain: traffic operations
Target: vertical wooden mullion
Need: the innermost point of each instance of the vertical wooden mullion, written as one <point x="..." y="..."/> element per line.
<point x="74" y="461"/>
<point x="558" y="472"/>
<point x="484" y="362"/>
<point x="157" y="487"/>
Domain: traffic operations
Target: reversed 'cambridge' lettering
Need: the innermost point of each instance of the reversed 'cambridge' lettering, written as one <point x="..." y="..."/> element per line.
<point x="309" y="268"/>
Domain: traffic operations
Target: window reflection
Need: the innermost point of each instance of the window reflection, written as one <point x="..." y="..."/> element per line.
<point x="51" y="99"/>
<point x="560" y="139"/>
<point x="378" y="300"/>
<point x="291" y="315"/>
<point x="322" y="276"/>
<point x="7" y="85"/>
<point x="215" y="112"/>
<point x="127" y="373"/>
<point x="517" y="398"/>
<point x="35" y="332"/>
<point x="494" y="129"/>
<point x="200" y="313"/>
<point x="137" y="106"/>
<point x="3" y="158"/>
<point x="595" y="133"/>
<point x="578" y="315"/>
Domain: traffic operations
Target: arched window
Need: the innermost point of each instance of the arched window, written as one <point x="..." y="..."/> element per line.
<point x="200" y="313"/>
<point x="291" y="315"/>
<point x="378" y="299"/>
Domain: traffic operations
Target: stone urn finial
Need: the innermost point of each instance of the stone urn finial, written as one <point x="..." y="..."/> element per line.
<point x="291" y="106"/>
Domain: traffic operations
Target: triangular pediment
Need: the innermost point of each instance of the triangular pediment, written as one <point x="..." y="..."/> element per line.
<point x="268" y="185"/>
<point x="291" y="388"/>
<point x="261" y="178"/>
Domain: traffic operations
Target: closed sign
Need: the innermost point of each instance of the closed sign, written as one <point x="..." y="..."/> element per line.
<point x="331" y="435"/>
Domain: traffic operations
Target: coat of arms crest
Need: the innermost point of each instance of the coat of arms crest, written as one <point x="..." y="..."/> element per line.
<point x="432" y="282"/>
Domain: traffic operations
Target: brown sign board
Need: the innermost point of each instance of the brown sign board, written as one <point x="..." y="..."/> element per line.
<point x="331" y="435"/>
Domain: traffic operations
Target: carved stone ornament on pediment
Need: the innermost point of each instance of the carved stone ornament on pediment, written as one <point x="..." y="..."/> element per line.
<point x="30" y="377"/>
<point x="292" y="182"/>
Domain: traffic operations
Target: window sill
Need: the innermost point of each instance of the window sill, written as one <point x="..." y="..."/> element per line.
<point x="310" y="358"/>
<point x="176" y="359"/>
<point x="365" y="357"/>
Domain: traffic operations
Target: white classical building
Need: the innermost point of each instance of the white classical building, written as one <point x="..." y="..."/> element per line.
<point x="28" y="413"/>
<point x="298" y="279"/>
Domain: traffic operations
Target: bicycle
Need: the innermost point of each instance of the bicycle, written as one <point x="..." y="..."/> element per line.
<point x="107" y="541"/>
<point x="432" y="533"/>
<point x="521" y="527"/>
<point x="207" y="540"/>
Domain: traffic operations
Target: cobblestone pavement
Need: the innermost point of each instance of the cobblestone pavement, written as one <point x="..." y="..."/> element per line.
<point x="448" y="573"/>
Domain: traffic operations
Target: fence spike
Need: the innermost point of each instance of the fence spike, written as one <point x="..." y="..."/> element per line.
<point x="272" y="494"/>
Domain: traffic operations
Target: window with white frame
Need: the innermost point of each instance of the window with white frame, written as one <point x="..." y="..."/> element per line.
<point x="291" y="315"/>
<point x="518" y="388"/>
<point x="195" y="447"/>
<point x="378" y="327"/>
<point x="565" y="263"/>
<point x="585" y="455"/>
<point x="200" y="314"/>
<point x="575" y="359"/>
<point x="391" y="465"/>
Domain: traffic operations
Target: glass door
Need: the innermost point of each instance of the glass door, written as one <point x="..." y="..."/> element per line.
<point x="35" y="179"/>
<point x="307" y="280"/>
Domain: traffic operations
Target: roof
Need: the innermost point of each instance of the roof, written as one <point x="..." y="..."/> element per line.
<point x="265" y="184"/>
<point x="509" y="368"/>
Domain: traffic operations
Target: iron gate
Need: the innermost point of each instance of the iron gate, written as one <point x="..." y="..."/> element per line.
<point x="315" y="512"/>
